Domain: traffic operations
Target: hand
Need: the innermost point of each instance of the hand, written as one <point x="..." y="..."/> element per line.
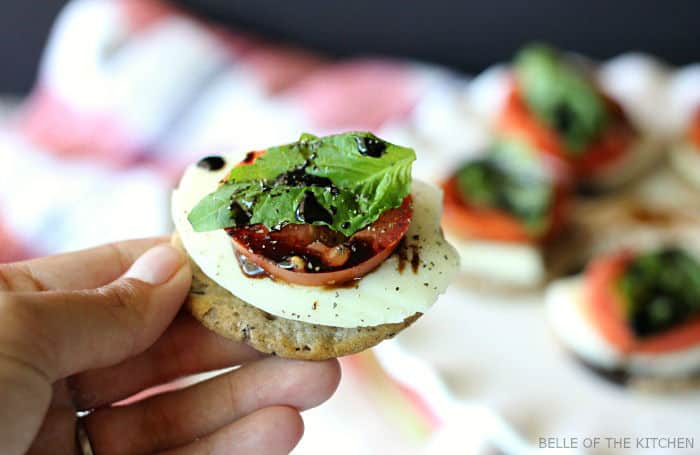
<point x="84" y="330"/>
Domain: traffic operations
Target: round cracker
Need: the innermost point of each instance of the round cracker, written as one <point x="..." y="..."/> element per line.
<point x="224" y="313"/>
<point x="642" y="383"/>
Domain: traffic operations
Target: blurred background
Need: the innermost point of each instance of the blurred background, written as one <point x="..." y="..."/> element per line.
<point x="104" y="102"/>
<point x="468" y="36"/>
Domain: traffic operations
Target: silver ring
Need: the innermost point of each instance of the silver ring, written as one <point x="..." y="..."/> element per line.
<point x="82" y="439"/>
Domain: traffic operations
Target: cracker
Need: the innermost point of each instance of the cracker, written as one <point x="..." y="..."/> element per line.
<point x="224" y="313"/>
<point x="642" y="383"/>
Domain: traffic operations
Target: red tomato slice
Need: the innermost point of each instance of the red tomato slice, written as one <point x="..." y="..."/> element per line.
<point x="602" y="299"/>
<point x="694" y="130"/>
<point x="342" y="259"/>
<point x="605" y="310"/>
<point x="517" y="119"/>
<point x="493" y="224"/>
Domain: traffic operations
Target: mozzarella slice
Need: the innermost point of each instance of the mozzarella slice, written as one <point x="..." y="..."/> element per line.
<point x="509" y="263"/>
<point x="575" y="330"/>
<point x="389" y="294"/>
<point x="685" y="159"/>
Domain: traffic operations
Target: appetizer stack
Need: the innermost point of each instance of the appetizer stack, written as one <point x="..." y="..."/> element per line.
<point x="556" y="133"/>
<point x="501" y="212"/>
<point x="634" y="316"/>
<point x="315" y="249"/>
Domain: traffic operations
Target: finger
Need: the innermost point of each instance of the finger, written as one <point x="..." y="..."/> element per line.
<point x="57" y="433"/>
<point x="269" y="431"/>
<point x="61" y="333"/>
<point x="84" y="269"/>
<point x="25" y="395"/>
<point x="187" y="347"/>
<point x="177" y="418"/>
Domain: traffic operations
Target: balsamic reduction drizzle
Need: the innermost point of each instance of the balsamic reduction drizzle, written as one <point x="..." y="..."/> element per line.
<point x="370" y="146"/>
<point x="310" y="211"/>
<point x="211" y="163"/>
<point x="299" y="177"/>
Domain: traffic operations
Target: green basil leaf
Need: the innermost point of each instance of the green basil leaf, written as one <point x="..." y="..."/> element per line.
<point x="661" y="289"/>
<point x="275" y="161"/>
<point x="561" y="95"/>
<point x="344" y="181"/>
<point x="213" y="211"/>
<point x="509" y="178"/>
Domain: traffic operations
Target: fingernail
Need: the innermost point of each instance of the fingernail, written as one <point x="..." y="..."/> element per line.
<point x="156" y="265"/>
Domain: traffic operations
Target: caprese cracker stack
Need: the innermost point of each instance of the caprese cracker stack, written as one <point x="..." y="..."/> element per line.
<point x="634" y="316"/>
<point x="555" y="105"/>
<point x="685" y="155"/>
<point x="315" y="249"/>
<point x="504" y="213"/>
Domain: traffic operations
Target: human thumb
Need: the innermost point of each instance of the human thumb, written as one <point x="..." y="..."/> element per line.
<point x="62" y="333"/>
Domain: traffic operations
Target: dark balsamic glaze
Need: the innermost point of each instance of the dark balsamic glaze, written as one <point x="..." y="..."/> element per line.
<point x="310" y="211"/>
<point x="370" y="146"/>
<point x="239" y="214"/>
<point x="280" y="248"/>
<point x="402" y="253"/>
<point x="299" y="177"/>
<point x="211" y="163"/>
<point x="415" y="258"/>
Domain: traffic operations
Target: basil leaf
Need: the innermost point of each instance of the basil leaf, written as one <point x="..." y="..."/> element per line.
<point x="275" y="161"/>
<point x="343" y="181"/>
<point x="213" y="211"/>
<point x="561" y="95"/>
<point x="661" y="289"/>
<point x="313" y="205"/>
<point x="508" y="178"/>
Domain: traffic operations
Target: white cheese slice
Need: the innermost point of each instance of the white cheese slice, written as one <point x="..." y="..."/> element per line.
<point x="509" y="263"/>
<point x="575" y="330"/>
<point x="386" y="295"/>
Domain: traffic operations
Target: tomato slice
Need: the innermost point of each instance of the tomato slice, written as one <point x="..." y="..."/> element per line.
<point x="517" y="119"/>
<point x="312" y="255"/>
<point x="694" y="130"/>
<point x="604" y="306"/>
<point x="494" y="224"/>
<point x="603" y="301"/>
<point x="321" y="256"/>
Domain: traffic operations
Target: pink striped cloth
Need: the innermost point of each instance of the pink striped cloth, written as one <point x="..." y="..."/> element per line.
<point x="130" y="91"/>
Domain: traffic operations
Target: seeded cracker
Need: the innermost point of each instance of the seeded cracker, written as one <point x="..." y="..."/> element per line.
<point x="231" y="317"/>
